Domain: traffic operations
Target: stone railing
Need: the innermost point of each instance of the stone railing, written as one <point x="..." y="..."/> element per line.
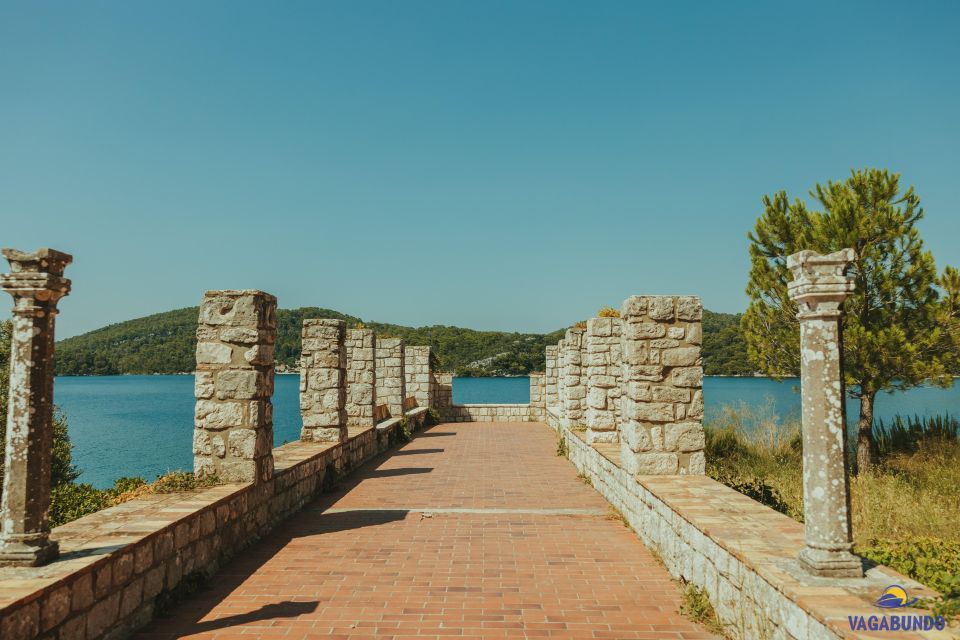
<point x="533" y="411"/>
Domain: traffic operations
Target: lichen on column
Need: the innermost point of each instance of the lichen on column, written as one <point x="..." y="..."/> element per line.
<point x="233" y="424"/>
<point x="661" y="423"/>
<point x="819" y="287"/>
<point x="37" y="284"/>
<point x="323" y="391"/>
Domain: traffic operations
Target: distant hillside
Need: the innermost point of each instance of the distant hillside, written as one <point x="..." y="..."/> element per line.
<point x="165" y="343"/>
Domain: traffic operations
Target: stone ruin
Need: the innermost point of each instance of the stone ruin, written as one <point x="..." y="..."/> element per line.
<point x="632" y="383"/>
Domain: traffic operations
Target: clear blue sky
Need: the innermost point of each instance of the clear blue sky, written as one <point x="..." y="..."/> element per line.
<point x="498" y="165"/>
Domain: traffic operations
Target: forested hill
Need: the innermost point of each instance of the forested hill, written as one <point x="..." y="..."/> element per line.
<point x="165" y="343"/>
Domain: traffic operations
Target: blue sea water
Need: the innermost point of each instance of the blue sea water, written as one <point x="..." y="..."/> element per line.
<point x="143" y="425"/>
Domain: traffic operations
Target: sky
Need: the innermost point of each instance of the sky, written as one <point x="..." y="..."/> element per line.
<point x="493" y="165"/>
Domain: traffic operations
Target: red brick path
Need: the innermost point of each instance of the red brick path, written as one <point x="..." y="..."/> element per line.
<point x="397" y="553"/>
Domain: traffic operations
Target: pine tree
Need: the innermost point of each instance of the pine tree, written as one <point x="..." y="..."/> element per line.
<point x="899" y="331"/>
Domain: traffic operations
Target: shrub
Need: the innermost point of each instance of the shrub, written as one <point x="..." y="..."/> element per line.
<point x="608" y="312"/>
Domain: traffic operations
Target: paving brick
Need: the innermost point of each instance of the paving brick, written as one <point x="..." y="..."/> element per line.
<point x="473" y="530"/>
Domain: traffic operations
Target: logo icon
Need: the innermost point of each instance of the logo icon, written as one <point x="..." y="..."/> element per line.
<point x="894" y="597"/>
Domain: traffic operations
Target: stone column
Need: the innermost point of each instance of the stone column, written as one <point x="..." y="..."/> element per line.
<point x="550" y="373"/>
<point x="661" y="429"/>
<point x="391" y="385"/>
<point x="323" y="390"/>
<point x="571" y="378"/>
<point x="36" y="283"/>
<point x="602" y="342"/>
<point x="561" y="387"/>
<point x="361" y="350"/>
<point x="443" y="394"/>
<point x="417" y="371"/>
<point x="819" y="288"/>
<point x="233" y="422"/>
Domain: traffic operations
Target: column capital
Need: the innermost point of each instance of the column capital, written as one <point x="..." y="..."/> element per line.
<point x="820" y="284"/>
<point x="36" y="276"/>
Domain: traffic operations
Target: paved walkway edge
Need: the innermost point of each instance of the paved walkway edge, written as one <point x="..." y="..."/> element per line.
<point x="115" y="563"/>
<point x="740" y="552"/>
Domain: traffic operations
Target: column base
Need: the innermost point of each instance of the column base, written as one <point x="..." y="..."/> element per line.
<point x="27" y="550"/>
<point x="830" y="564"/>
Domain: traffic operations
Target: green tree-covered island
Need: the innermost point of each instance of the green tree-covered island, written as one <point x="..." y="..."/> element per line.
<point x="165" y="343"/>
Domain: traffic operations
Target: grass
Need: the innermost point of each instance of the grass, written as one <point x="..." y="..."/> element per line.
<point x="905" y="512"/>
<point x="696" y="606"/>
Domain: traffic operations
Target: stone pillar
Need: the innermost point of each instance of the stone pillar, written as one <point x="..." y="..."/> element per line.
<point x="550" y="379"/>
<point x="601" y="372"/>
<point x="538" y="405"/>
<point x="416" y="368"/>
<point x="36" y="283"/>
<point x="661" y="429"/>
<point x="443" y="393"/>
<point x="323" y="390"/>
<point x="361" y="351"/>
<point x="233" y="422"/>
<point x="819" y="288"/>
<point x="391" y="383"/>
<point x="571" y="378"/>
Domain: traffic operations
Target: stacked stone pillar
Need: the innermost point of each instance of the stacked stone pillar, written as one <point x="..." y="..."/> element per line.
<point x="416" y="368"/>
<point x="233" y="422"/>
<point x="550" y="376"/>
<point x="602" y="374"/>
<point x="661" y="430"/>
<point x="571" y="378"/>
<point x="819" y="287"/>
<point x="537" y="390"/>
<point x="561" y="387"/>
<point x="323" y="390"/>
<point x="391" y="381"/>
<point x="37" y="284"/>
<point x="361" y="377"/>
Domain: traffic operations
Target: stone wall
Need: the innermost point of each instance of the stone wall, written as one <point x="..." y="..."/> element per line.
<point x="391" y="381"/>
<point x="360" y="348"/>
<point x="417" y="371"/>
<point x="323" y="393"/>
<point x="233" y="427"/>
<point x="603" y="373"/>
<point x="487" y="413"/>
<point x="116" y="563"/>
<point x="661" y="430"/>
<point x="739" y="552"/>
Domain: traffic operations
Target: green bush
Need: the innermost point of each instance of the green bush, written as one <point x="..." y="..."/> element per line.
<point x="70" y="501"/>
<point x="934" y="562"/>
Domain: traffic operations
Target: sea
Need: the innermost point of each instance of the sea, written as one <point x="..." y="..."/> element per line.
<point x="143" y="425"/>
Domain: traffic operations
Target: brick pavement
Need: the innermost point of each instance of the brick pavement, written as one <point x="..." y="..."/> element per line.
<point x="473" y="530"/>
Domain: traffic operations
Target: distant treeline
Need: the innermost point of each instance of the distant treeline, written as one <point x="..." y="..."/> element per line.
<point x="165" y="343"/>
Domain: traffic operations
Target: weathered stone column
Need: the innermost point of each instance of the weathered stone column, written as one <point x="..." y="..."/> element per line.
<point x="361" y="350"/>
<point x="819" y="288"/>
<point x="571" y="378"/>
<point x="416" y="368"/>
<point x="550" y="373"/>
<point x="391" y="383"/>
<point x="233" y="425"/>
<point x="601" y="373"/>
<point x="537" y="397"/>
<point x="323" y="390"/>
<point x="661" y="429"/>
<point x="36" y="283"/>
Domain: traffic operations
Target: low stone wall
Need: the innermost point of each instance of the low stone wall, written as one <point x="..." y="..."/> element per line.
<point x="741" y="553"/>
<point x="490" y="413"/>
<point x="115" y="563"/>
